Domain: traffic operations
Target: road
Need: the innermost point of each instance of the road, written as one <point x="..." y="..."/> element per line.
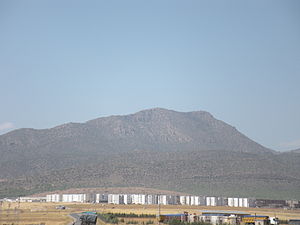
<point x="76" y="217"/>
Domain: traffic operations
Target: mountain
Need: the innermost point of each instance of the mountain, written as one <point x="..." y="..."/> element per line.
<point x="296" y="151"/>
<point x="112" y="190"/>
<point x="157" y="148"/>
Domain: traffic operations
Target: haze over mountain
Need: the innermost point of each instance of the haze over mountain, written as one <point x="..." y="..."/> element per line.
<point x="296" y="150"/>
<point x="159" y="148"/>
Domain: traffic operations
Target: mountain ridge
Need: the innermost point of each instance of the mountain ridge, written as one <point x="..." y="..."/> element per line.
<point x="119" y="125"/>
<point x="154" y="146"/>
<point x="295" y="151"/>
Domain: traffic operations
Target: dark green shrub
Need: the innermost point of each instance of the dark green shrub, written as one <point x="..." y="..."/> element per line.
<point x="108" y="218"/>
<point x="132" y="222"/>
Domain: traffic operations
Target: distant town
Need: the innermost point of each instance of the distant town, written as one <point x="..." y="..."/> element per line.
<point x="162" y="199"/>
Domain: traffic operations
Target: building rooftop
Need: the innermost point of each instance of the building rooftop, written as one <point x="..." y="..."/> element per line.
<point x="256" y="216"/>
<point x="224" y="212"/>
<point x="173" y="215"/>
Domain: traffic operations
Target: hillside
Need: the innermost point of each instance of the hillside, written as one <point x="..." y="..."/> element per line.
<point x="296" y="151"/>
<point x="190" y="152"/>
<point x="111" y="190"/>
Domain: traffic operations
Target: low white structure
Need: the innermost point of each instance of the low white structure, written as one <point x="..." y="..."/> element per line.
<point x="236" y="202"/>
<point x="135" y="199"/>
<point x="220" y="201"/>
<point x="53" y="198"/>
<point x="188" y="200"/>
<point x="101" y="198"/>
<point x="211" y="201"/>
<point x="115" y="199"/>
<point x="127" y="199"/>
<point x="152" y="199"/>
<point x="230" y="202"/>
<point x="149" y="199"/>
<point x="162" y="199"/>
<point x="202" y="200"/>
<point x="32" y="199"/>
<point x="239" y="202"/>
<point x="74" y="198"/>
<point x="171" y="200"/>
<point x="182" y="200"/>
<point x="142" y="199"/>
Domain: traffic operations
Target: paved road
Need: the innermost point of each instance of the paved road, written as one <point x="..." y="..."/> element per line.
<point x="76" y="217"/>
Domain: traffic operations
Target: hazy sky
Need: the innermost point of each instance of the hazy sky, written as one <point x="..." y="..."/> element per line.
<point x="63" y="61"/>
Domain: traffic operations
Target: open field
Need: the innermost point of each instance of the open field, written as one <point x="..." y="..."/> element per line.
<point x="33" y="213"/>
<point x="37" y="213"/>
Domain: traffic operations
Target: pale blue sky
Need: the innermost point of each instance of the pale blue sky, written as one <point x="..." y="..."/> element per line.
<point x="63" y="61"/>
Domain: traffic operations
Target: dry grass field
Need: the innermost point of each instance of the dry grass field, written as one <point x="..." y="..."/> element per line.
<point x="46" y="213"/>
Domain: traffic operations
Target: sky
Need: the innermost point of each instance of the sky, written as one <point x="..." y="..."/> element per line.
<point x="72" y="61"/>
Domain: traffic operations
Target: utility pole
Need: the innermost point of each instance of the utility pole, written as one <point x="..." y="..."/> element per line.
<point x="18" y="210"/>
<point x="158" y="203"/>
<point x="0" y="207"/>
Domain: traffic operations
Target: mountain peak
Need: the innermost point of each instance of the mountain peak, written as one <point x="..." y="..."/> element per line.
<point x="155" y="110"/>
<point x="296" y="150"/>
<point x="156" y="129"/>
<point x="120" y="150"/>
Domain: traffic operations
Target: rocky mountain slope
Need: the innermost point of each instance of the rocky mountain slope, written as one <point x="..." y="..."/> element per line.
<point x="158" y="148"/>
<point x="296" y="151"/>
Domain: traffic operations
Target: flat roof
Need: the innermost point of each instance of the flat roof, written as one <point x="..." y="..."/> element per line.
<point x="256" y="216"/>
<point x="89" y="212"/>
<point x="214" y="214"/>
<point x="223" y="212"/>
<point x="173" y="215"/>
